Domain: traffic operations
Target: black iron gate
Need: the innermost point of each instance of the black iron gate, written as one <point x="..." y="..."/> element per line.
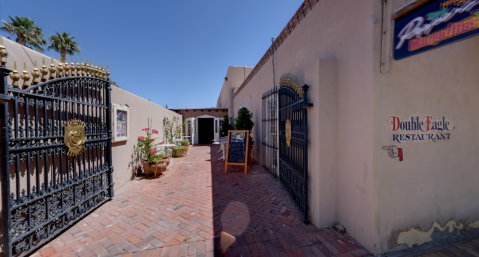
<point x="46" y="189"/>
<point x="293" y="143"/>
<point x="270" y="131"/>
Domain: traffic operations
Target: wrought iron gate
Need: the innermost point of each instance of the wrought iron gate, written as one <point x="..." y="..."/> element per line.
<point x="293" y="142"/>
<point x="45" y="190"/>
<point x="270" y="131"/>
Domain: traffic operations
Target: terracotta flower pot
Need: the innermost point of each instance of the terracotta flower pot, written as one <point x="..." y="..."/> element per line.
<point x="166" y="159"/>
<point x="179" y="153"/>
<point x="154" y="168"/>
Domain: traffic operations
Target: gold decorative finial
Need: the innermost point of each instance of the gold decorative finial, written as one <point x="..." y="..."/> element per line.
<point x="35" y="74"/>
<point x="25" y="76"/>
<point x="14" y="75"/>
<point x="3" y="53"/>
<point x="72" y="68"/>
<point x="103" y="72"/>
<point x="91" y="68"/>
<point x="82" y="68"/>
<point x="95" y="71"/>
<point x="78" y="67"/>
<point x="52" y="70"/>
<point x="107" y="73"/>
<point x="44" y="70"/>
<point x="60" y="68"/>
<point x="87" y="68"/>
<point x="66" y="67"/>
<point x="98" y="71"/>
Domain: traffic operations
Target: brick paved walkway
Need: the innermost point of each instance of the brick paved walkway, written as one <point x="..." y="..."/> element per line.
<point x="196" y="209"/>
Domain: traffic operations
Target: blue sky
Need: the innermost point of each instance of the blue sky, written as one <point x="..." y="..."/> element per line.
<point x="171" y="52"/>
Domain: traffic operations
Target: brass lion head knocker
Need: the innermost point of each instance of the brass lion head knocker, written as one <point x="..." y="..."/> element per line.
<point x="288" y="133"/>
<point x="74" y="137"/>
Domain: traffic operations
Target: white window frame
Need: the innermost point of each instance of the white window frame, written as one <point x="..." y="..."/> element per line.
<point x="116" y="108"/>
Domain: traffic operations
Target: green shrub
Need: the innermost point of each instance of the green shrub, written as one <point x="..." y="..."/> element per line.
<point x="225" y="126"/>
<point x="244" y="122"/>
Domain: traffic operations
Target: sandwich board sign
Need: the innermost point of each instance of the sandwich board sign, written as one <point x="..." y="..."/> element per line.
<point x="237" y="148"/>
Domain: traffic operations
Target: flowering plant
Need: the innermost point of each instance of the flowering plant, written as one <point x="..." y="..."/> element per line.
<point x="146" y="146"/>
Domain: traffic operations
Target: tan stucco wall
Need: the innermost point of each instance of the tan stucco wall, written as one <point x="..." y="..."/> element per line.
<point x="340" y="30"/>
<point x="436" y="181"/>
<point x="236" y="76"/>
<point x="125" y="160"/>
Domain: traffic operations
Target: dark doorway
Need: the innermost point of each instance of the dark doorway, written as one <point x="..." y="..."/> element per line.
<point x="206" y="132"/>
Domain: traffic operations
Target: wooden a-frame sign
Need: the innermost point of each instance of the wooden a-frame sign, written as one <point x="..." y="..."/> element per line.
<point x="237" y="148"/>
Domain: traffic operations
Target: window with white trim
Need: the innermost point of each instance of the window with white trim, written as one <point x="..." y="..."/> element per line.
<point x="120" y="122"/>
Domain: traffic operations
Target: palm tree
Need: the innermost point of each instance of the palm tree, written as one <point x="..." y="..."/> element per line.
<point x="26" y="31"/>
<point x="64" y="44"/>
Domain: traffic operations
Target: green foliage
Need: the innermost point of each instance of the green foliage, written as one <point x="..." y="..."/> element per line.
<point x="64" y="44"/>
<point x="26" y="32"/>
<point x="225" y="126"/>
<point x="172" y="129"/>
<point x="244" y="122"/>
<point x="159" y="157"/>
<point x="185" y="142"/>
<point x="178" y="149"/>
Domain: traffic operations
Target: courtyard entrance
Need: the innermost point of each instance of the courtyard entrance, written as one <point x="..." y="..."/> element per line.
<point x="195" y="209"/>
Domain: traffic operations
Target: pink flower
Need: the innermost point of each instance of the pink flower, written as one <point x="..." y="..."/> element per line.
<point x="152" y="152"/>
<point x="154" y="131"/>
<point x="145" y="129"/>
<point x="141" y="138"/>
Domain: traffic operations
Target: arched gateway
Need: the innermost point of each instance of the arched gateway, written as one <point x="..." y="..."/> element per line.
<point x="293" y="141"/>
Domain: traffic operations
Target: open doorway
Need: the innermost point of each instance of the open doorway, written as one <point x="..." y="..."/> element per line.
<point x="206" y="130"/>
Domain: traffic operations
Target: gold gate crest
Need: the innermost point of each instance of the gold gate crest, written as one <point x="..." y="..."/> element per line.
<point x="288" y="133"/>
<point x="74" y="137"/>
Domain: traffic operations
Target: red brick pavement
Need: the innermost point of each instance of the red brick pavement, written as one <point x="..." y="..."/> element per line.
<point x="195" y="209"/>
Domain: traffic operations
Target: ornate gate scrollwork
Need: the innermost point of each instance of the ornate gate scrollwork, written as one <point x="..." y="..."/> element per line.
<point x="293" y="141"/>
<point x="44" y="188"/>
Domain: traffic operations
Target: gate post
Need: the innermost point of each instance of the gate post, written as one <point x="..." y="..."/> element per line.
<point x="305" y="151"/>
<point x="4" y="162"/>
<point x="109" y="153"/>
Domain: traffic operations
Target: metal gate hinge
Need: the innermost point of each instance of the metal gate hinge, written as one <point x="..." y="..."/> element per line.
<point x="5" y="97"/>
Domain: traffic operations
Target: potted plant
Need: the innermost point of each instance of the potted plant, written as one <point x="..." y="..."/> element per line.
<point x="225" y="126"/>
<point x="179" y="151"/>
<point x="149" y="153"/>
<point x="164" y="156"/>
<point x="244" y="122"/>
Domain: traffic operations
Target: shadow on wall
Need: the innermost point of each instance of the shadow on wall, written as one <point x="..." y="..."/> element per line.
<point x="134" y="165"/>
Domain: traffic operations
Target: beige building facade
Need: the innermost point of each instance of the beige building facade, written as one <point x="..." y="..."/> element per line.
<point x="366" y="108"/>
<point x="235" y="76"/>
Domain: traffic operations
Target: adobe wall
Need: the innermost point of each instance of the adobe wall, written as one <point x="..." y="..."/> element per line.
<point x="236" y="76"/>
<point x="436" y="183"/>
<point x="125" y="160"/>
<point x="330" y="49"/>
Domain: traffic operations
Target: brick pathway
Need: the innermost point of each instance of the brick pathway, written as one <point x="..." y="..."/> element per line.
<point x="196" y="209"/>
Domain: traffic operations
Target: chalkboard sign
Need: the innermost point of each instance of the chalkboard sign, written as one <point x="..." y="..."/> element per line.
<point x="237" y="148"/>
